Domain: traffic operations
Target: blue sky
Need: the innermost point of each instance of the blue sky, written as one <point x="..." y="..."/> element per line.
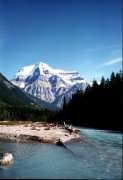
<point x="82" y="35"/>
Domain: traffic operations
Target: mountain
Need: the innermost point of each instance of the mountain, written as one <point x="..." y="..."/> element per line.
<point x="12" y="95"/>
<point x="49" y="85"/>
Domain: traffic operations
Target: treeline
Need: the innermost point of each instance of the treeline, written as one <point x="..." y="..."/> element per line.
<point x="25" y="113"/>
<point x="100" y="106"/>
<point x="17" y="105"/>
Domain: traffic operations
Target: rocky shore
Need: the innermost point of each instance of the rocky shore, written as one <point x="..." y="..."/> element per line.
<point x="37" y="132"/>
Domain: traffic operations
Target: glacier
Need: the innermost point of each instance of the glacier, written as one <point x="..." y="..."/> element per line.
<point x="48" y="84"/>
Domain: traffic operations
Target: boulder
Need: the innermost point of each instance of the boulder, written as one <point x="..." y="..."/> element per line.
<point x="6" y="158"/>
<point x="59" y="143"/>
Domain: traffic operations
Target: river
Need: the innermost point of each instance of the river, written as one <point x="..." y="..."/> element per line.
<point x="98" y="155"/>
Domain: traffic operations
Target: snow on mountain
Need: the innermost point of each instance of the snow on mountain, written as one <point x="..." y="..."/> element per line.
<point x="48" y="84"/>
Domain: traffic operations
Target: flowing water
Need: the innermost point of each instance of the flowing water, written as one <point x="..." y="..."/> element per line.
<point x="98" y="155"/>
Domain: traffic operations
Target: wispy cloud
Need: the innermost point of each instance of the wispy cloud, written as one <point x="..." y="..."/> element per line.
<point x="113" y="61"/>
<point x="104" y="48"/>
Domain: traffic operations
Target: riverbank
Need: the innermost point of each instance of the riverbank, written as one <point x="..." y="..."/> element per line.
<point x="36" y="131"/>
<point x="98" y="157"/>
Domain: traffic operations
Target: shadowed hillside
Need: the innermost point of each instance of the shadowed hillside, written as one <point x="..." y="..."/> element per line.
<point x="17" y="105"/>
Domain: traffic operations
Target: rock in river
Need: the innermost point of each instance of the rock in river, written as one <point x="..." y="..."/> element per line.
<point x="6" y="158"/>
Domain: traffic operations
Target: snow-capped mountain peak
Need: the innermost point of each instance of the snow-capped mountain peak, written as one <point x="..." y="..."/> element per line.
<point x="48" y="84"/>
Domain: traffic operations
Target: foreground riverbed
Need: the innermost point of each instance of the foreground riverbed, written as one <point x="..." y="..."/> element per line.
<point x="41" y="132"/>
<point x="98" y="155"/>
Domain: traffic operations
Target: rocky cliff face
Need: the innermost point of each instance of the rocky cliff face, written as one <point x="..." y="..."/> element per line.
<point x="48" y="84"/>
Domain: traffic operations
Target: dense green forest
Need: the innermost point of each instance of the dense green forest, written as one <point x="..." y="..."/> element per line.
<point x="24" y="113"/>
<point x="17" y="105"/>
<point x="100" y="106"/>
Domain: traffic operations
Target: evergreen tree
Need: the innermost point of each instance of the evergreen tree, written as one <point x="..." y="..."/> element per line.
<point x="112" y="77"/>
<point x="99" y="106"/>
<point x="102" y="83"/>
<point x="64" y="103"/>
<point x="95" y="84"/>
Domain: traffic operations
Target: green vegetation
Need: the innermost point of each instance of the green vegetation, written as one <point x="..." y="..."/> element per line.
<point x="100" y="106"/>
<point x="24" y="113"/>
<point x="16" y="105"/>
<point x="12" y="95"/>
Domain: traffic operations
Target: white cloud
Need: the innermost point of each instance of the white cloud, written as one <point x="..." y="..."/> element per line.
<point x="104" y="47"/>
<point x="113" y="61"/>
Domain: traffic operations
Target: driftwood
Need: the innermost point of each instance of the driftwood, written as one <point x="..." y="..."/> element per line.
<point x="68" y="128"/>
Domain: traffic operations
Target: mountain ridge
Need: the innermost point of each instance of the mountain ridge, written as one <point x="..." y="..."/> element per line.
<point x="48" y="84"/>
<point x="11" y="95"/>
